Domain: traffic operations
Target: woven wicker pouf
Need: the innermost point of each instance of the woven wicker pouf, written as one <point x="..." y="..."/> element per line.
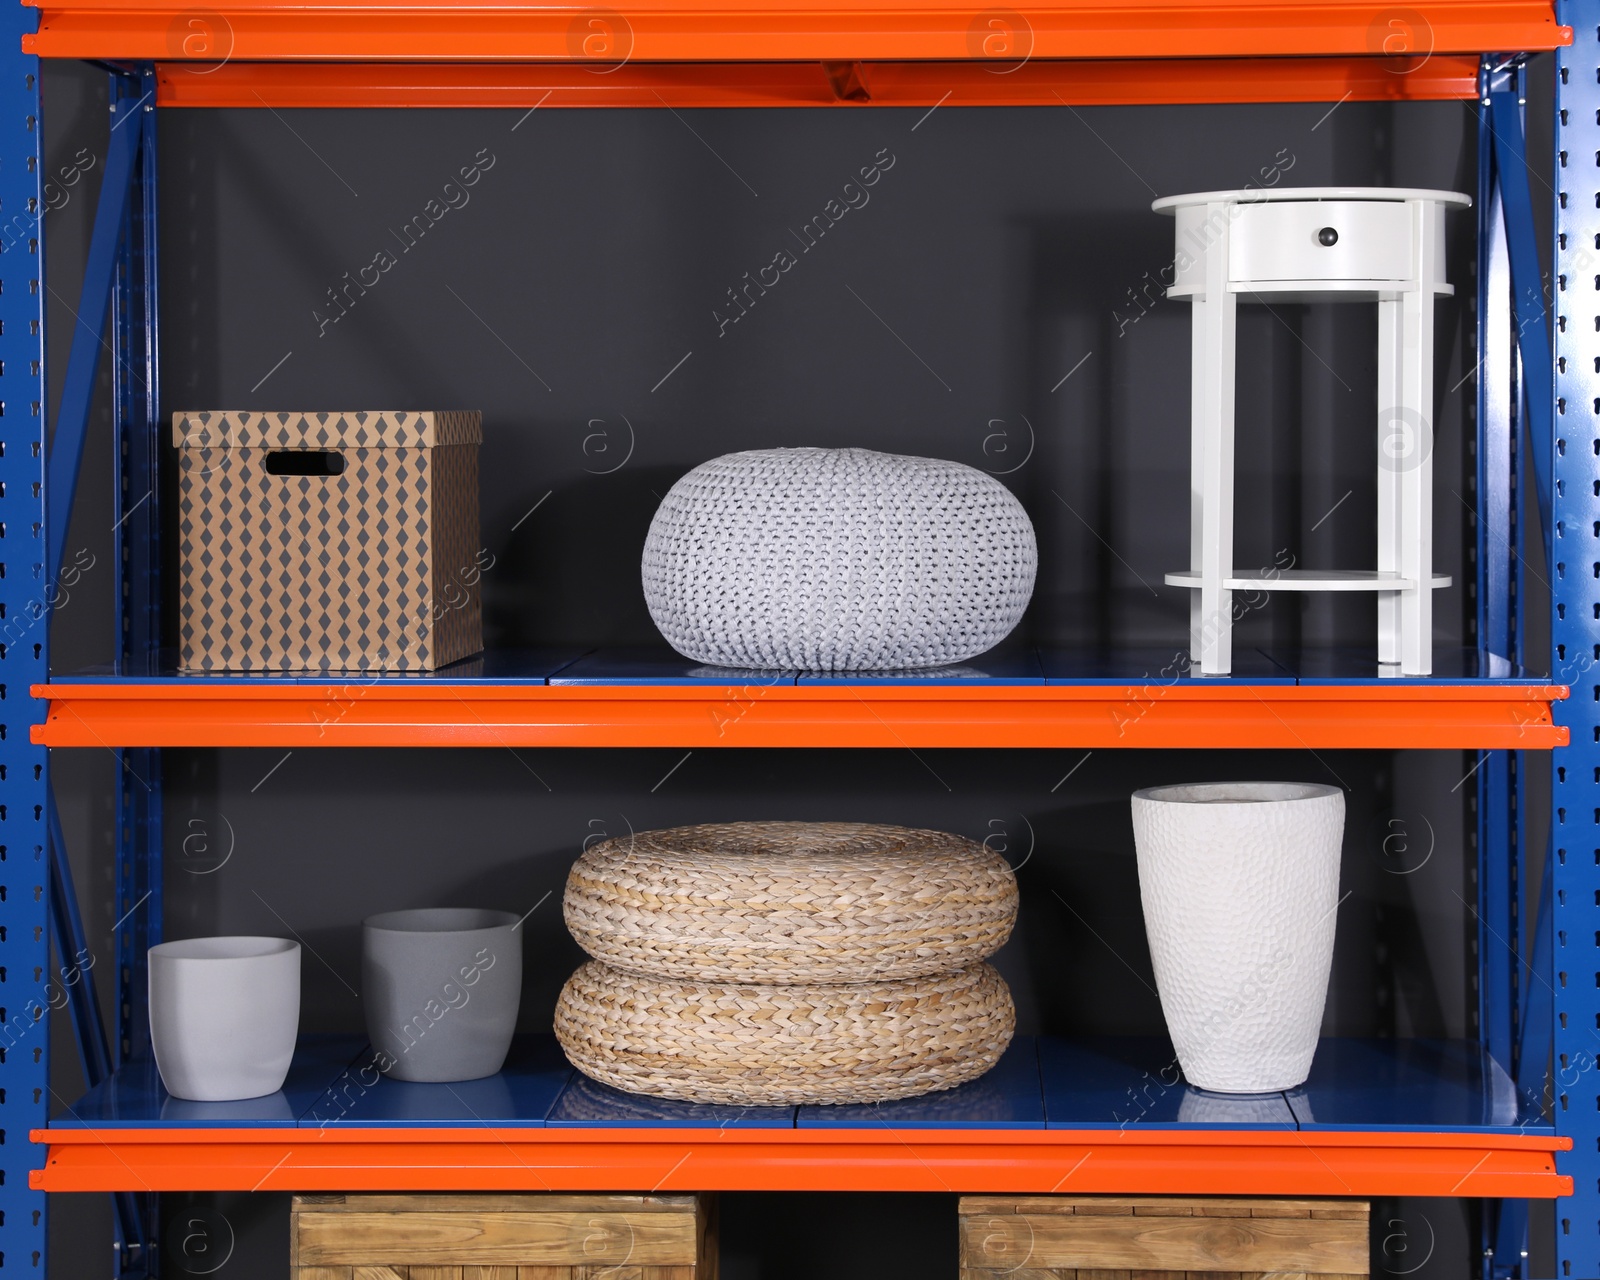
<point x="791" y="902"/>
<point x="757" y="1044"/>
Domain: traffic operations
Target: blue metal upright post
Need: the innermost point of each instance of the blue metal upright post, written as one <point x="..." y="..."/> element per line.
<point x="1575" y="633"/>
<point x="1513" y="337"/>
<point x="136" y="515"/>
<point x="25" y="597"/>
<point x="136" y="512"/>
<point x="1498" y="583"/>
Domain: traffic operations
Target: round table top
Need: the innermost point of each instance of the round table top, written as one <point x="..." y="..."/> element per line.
<point x="1262" y="195"/>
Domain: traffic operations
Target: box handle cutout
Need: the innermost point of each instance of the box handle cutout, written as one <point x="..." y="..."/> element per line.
<point x="305" y="462"/>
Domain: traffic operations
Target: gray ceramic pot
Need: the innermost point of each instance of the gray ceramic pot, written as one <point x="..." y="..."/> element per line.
<point x="441" y="988"/>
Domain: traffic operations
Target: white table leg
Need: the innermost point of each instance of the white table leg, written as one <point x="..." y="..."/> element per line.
<point x="1197" y="476"/>
<point x="1415" y="468"/>
<point x="1211" y="458"/>
<point x="1392" y="443"/>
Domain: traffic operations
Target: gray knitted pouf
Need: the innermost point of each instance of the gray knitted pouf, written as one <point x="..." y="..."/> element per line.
<point x="837" y="560"/>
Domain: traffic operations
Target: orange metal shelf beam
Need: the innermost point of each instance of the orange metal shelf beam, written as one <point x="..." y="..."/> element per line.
<point x="814" y="84"/>
<point x="378" y="713"/>
<point x="1187" y="1163"/>
<point x="753" y="30"/>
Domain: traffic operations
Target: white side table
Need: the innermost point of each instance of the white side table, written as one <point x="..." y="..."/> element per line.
<point x="1315" y="244"/>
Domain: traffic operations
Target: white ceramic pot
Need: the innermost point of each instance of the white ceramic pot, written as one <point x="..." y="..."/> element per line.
<point x="224" y="1013"/>
<point x="1240" y="884"/>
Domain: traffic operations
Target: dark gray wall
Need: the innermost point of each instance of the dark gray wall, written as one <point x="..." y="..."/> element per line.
<point x="999" y="250"/>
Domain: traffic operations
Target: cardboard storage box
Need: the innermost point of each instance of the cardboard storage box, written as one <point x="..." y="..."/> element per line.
<point x="1162" y="1238"/>
<point x="328" y="541"/>
<point x="533" y="1236"/>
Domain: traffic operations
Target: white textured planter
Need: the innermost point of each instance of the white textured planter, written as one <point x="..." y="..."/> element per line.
<point x="1240" y="884"/>
<point x="224" y="1013"/>
<point x="837" y="560"/>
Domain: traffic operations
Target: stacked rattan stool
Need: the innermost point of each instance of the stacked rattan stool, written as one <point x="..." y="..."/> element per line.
<point x="785" y="963"/>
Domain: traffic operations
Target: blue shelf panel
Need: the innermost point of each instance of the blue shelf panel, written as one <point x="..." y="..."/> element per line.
<point x="657" y="666"/>
<point x="1008" y="665"/>
<point x="520" y="1096"/>
<point x="588" y="1104"/>
<point x="1360" y="667"/>
<point x="1008" y="1097"/>
<point x="1119" y="1082"/>
<point x="1112" y="1083"/>
<point x="1415" y="1086"/>
<point x="1366" y="1086"/>
<point x="1153" y="667"/>
<point x="497" y="667"/>
<point x="493" y="667"/>
<point x="133" y="1098"/>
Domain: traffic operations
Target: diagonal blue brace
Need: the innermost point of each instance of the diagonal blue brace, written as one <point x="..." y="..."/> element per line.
<point x="1527" y="285"/>
<point x="1538" y="1008"/>
<point x="88" y="333"/>
<point x="82" y="1000"/>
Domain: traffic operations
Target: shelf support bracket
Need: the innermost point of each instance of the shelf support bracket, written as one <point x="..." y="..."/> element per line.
<point x="88" y="332"/>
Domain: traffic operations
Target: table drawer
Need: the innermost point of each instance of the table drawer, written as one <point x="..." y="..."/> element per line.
<point x="1371" y="240"/>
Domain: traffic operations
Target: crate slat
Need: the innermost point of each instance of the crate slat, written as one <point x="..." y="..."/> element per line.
<point x="439" y="1239"/>
<point x="1178" y="1244"/>
<point x="520" y="1236"/>
<point x="1163" y="1238"/>
<point x="495" y="1202"/>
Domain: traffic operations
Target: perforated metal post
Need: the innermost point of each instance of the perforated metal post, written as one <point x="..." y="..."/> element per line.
<point x="1501" y="542"/>
<point x="1575" y="634"/>
<point x="136" y="508"/>
<point x="24" y="595"/>
<point x="135" y="381"/>
<point x="1498" y="589"/>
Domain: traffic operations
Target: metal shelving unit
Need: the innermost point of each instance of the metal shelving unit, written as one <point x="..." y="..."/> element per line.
<point x="1410" y="1117"/>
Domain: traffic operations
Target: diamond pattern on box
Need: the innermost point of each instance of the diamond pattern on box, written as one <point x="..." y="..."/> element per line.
<point x="373" y="568"/>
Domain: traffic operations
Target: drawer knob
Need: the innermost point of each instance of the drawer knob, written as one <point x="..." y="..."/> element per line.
<point x="1327" y="237"/>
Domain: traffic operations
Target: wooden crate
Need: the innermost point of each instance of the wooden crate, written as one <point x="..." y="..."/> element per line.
<point x="1162" y="1238"/>
<point x="503" y="1237"/>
